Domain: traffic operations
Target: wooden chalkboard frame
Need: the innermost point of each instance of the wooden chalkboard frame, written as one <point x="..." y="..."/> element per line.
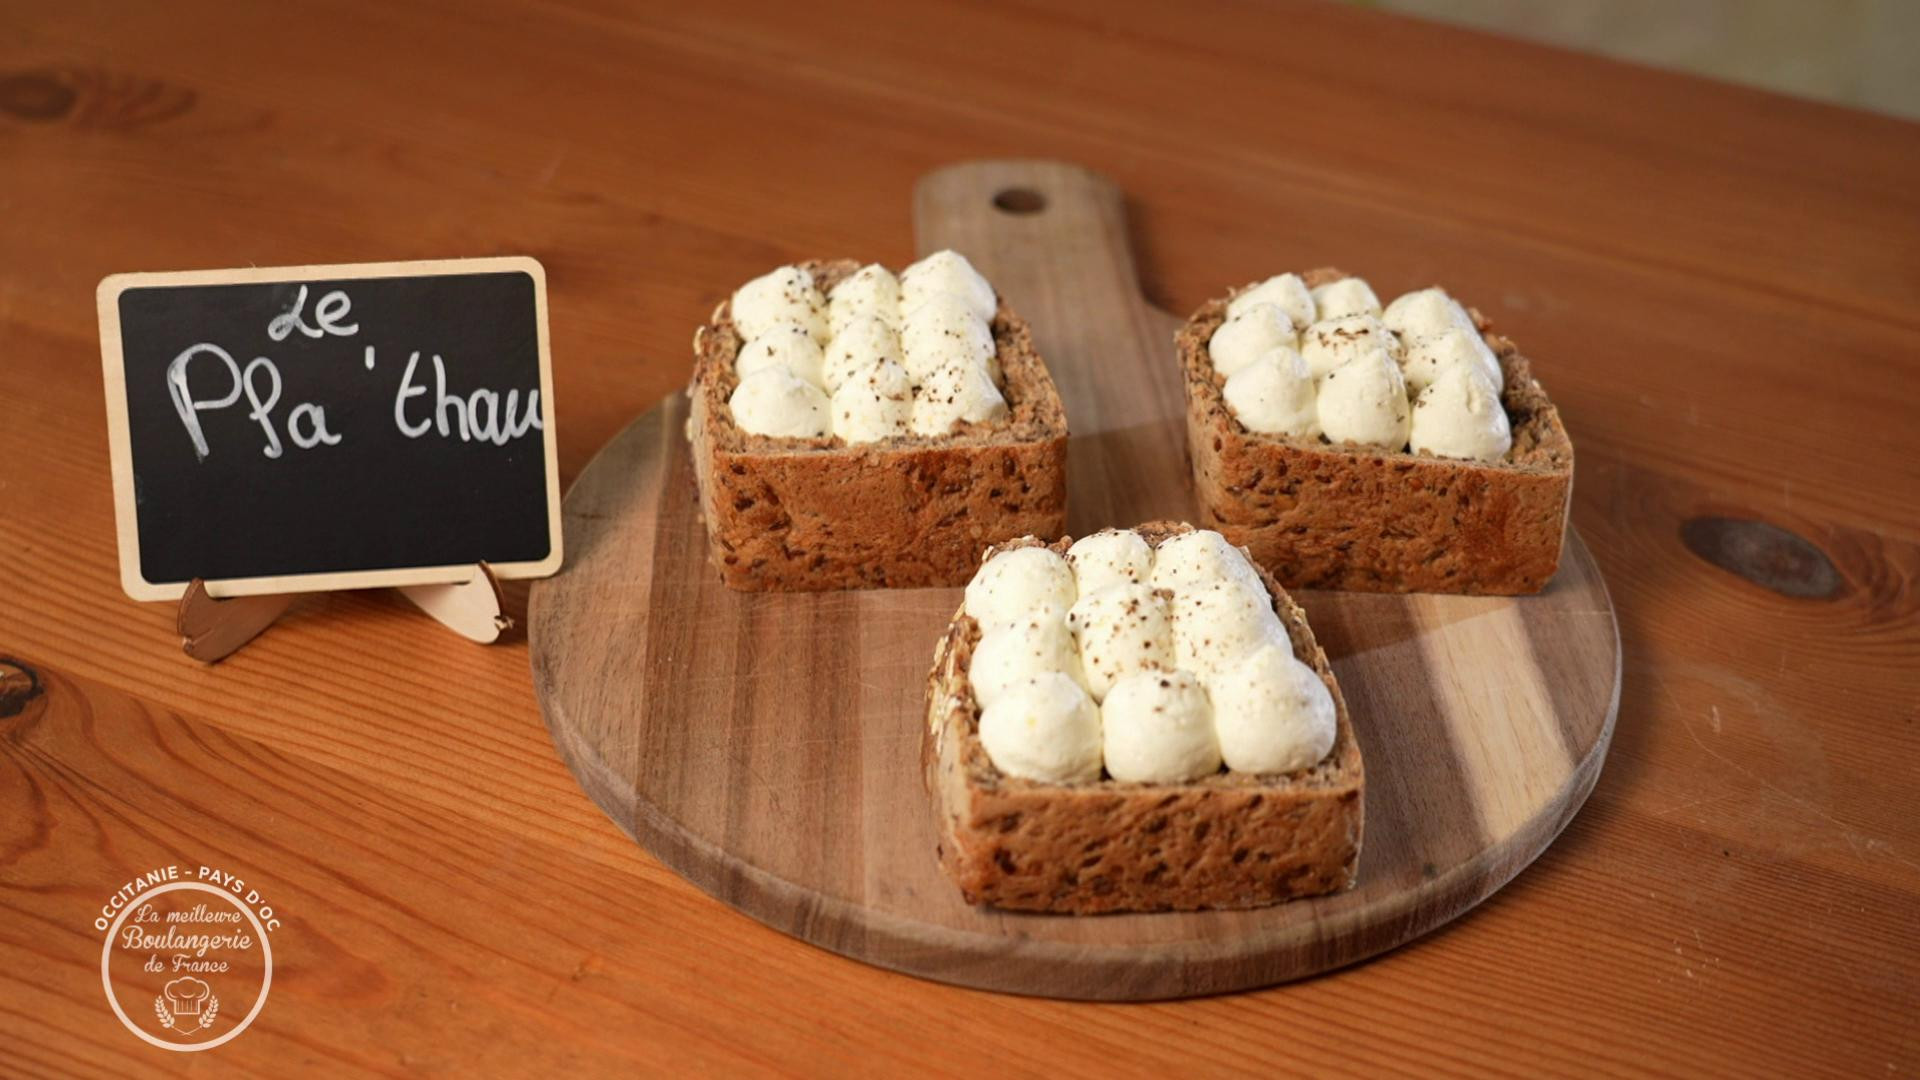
<point x="132" y="579"/>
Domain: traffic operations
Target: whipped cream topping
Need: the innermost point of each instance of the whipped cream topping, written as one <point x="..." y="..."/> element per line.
<point x="1365" y="403"/>
<point x="1158" y="729"/>
<point x="1198" y="558"/>
<point x="1147" y="635"/>
<point x="932" y="324"/>
<point x="1286" y="290"/>
<point x="1460" y="416"/>
<point x="1348" y="296"/>
<point x="1426" y="312"/>
<point x="1256" y="331"/>
<point x="1012" y="653"/>
<point x="864" y="343"/>
<point x="784" y="345"/>
<point x="1216" y="623"/>
<point x="782" y="295"/>
<point x="1330" y="343"/>
<point x="946" y="273"/>
<point x="1430" y="357"/>
<point x="1121" y="630"/>
<point x="871" y="292"/>
<point x="1272" y="713"/>
<point x="1043" y="728"/>
<point x="775" y="401"/>
<point x="1364" y="369"/>
<point x="953" y="394"/>
<point x="873" y="404"/>
<point x="1275" y="395"/>
<point x="1014" y="584"/>
<point x="942" y="332"/>
<point x="1109" y="557"/>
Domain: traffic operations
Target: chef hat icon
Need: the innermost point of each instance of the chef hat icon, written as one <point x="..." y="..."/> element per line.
<point x="187" y="995"/>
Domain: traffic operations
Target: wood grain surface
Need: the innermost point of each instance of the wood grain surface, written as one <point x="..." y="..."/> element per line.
<point x="768" y="746"/>
<point x="1721" y="287"/>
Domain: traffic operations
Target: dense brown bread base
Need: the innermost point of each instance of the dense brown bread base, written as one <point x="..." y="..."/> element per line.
<point x="816" y="514"/>
<point x="1335" y="517"/>
<point x="1228" y="841"/>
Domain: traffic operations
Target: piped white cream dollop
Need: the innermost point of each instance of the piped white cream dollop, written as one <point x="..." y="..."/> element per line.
<point x="1013" y="583"/>
<point x="1256" y="331"/>
<point x="1271" y="712"/>
<point x="946" y="273"/>
<point x="1275" y="395"/>
<point x="862" y="344"/>
<point x="1424" y="313"/>
<point x="1217" y="623"/>
<point x="1200" y="557"/>
<point x="1331" y="344"/>
<point x="1364" y="402"/>
<point x="871" y="292"/>
<point x="1286" y="290"/>
<point x="1158" y="729"/>
<point x="1109" y="557"/>
<point x="1011" y="653"/>
<point x="1044" y="728"/>
<point x="784" y="345"/>
<point x="785" y="294"/>
<point x="1430" y="357"/>
<point x="1348" y="296"/>
<point x="955" y="393"/>
<point x="1120" y="630"/>
<point x="776" y="402"/>
<point x="941" y="333"/>
<point x="873" y="404"/>
<point x="1460" y="416"/>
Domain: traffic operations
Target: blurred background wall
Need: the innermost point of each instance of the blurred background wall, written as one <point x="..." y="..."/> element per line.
<point x="1860" y="53"/>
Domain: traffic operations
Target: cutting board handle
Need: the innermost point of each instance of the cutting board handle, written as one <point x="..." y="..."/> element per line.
<point x="1004" y="213"/>
<point x="1052" y="237"/>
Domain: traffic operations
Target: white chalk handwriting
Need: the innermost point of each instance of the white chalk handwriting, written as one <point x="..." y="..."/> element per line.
<point x="480" y="415"/>
<point x="331" y="308"/>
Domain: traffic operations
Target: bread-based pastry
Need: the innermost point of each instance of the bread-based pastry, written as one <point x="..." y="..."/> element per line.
<point x="1138" y="776"/>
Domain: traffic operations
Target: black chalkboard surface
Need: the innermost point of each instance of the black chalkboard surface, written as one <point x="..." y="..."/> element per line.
<point x="305" y="428"/>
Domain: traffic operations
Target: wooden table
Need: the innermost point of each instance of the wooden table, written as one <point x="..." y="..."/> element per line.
<point x="1720" y="287"/>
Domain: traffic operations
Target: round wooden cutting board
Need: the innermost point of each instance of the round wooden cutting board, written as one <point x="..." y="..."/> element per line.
<point x="768" y="746"/>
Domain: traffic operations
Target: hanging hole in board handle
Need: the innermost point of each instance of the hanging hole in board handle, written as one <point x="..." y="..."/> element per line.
<point x="1020" y="200"/>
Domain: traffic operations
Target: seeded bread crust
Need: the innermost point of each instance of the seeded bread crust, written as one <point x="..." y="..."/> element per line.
<point x="1231" y="840"/>
<point x="1358" y="518"/>
<point x="819" y="514"/>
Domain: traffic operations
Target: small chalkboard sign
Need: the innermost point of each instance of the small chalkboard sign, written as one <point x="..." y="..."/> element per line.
<point x="329" y="427"/>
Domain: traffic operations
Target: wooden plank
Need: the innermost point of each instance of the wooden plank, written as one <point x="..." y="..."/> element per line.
<point x="767" y="746"/>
